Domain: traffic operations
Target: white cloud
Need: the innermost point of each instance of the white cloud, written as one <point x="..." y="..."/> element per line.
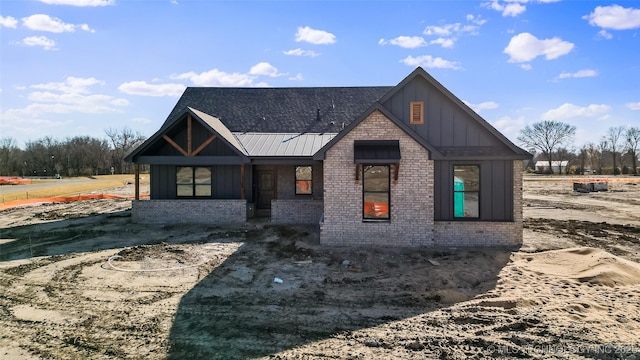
<point x="298" y="77"/>
<point x="487" y="105"/>
<point x="43" y="41"/>
<point x="510" y="127"/>
<point x="605" y="34"/>
<point x="300" y="52"/>
<point x="8" y="21"/>
<point x="313" y="36"/>
<point x="569" y="111"/>
<point x="69" y="96"/>
<point x="526" y="47"/>
<point x="145" y="89"/>
<point x="578" y="74"/>
<point x="71" y="85"/>
<point x="217" y="77"/>
<point x="508" y="8"/>
<point x="633" y="105"/>
<point x="430" y="62"/>
<point x="448" y="33"/>
<point x="407" y="42"/>
<point x="264" y="68"/>
<point x="526" y="67"/>
<point x="42" y="22"/>
<point x="614" y="17"/>
<point x="445" y="43"/>
<point x="91" y="3"/>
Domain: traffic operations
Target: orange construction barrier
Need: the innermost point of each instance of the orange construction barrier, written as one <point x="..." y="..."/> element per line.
<point x="58" y="199"/>
<point x="12" y="180"/>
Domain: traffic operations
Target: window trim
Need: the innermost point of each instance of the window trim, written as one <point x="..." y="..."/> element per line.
<point x="193" y="183"/>
<point x="453" y="192"/>
<point x="388" y="192"/>
<point x="295" y="181"/>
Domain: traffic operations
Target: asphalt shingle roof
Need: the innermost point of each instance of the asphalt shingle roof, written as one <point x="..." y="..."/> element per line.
<point x="277" y="110"/>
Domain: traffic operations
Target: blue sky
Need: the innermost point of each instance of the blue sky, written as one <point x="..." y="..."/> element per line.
<point x="78" y="67"/>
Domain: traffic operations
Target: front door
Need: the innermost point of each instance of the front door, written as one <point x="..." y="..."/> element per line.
<point x="266" y="189"/>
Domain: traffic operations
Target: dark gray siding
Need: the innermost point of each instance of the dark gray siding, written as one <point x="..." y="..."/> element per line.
<point x="496" y="189"/>
<point x="446" y="123"/>
<point x="225" y="183"/>
<point x="287" y="186"/>
<point x="163" y="182"/>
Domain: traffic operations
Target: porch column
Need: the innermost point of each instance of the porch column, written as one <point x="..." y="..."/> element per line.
<point x="242" y="192"/>
<point x="137" y="181"/>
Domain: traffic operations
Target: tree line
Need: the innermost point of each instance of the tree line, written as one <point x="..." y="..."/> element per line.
<point x="615" y="153"/>
<point x="74" y="156"/>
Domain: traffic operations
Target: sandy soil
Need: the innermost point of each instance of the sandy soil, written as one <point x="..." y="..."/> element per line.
<point x="79" y="280"/>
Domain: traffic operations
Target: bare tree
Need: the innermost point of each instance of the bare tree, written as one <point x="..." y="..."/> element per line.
<point x="613" y="141"/>
<point x="592" y="154"/>
<point x="546" y="136"/>
<point x="632" y="141"/>
<point x="603" y="147"/>
<point x="10" y="157"/>
<point x="123" y="141"/>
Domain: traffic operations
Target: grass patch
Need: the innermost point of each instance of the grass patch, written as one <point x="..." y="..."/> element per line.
<point x="97" y="183"/>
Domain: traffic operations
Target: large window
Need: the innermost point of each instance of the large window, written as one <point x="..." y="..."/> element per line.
<point x="304" y="180"/>
<point x="375" y="192"/>
<point x="193" y="182"/>
<point x="466" y="191"/>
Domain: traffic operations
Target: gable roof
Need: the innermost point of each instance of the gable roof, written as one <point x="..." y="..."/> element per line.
<point x="420" y="72"/>
<point x="211" y="123"/>
<point x="434" y="154"/>
<point x="280" y="110"/>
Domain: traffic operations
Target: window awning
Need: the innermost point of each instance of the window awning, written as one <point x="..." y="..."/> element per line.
<point x="376" y="151"/>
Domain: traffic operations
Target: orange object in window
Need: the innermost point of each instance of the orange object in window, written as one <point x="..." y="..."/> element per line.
<point x="376" y="210"/>
<point x="303" y="186"/>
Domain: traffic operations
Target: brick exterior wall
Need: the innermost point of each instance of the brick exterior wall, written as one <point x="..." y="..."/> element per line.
<point x="481" y="233"/>
<point x="296" y="211"/>
<point x="181" y="211"/>
<point x="411" y="210"/>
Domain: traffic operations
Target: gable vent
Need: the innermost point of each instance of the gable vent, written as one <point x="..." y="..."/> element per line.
<point x="416" y="113"/>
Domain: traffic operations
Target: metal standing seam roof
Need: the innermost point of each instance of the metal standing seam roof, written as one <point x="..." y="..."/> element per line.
<point x="283" y="144"/>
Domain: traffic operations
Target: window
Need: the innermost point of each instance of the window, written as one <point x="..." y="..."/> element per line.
<point x="466" y="191"/>
<point x="375" y="192"/>
<point x="193" y="182"/>
<point x="304" y="180"/>
<point x="416" y="113"/>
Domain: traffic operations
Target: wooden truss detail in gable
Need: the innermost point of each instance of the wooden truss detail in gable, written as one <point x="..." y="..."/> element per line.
<point x="189" y="152"/>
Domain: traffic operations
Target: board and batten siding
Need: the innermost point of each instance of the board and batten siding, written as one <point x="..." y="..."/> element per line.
<point x="446" y="123"/>
<point x="496" y="189"/>
<point x="225" y="181"/>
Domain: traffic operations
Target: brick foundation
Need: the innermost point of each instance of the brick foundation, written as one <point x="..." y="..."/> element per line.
<point x="296" y="211"/>
<point x="181" y="211"/>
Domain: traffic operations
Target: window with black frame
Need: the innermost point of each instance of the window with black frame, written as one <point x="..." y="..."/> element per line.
<point x="304" y="180"/>
<point x="375" y="192"/>
<point x="193" y="182"/>
<point x="466" y="191"/>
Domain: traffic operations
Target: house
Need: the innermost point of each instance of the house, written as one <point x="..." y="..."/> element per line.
<point x="404" y="165"/>
<point x="557" y="166"/>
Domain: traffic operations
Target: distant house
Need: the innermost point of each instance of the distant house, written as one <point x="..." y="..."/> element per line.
<point x="557" y="166"/>
<point x="405" y="165"/>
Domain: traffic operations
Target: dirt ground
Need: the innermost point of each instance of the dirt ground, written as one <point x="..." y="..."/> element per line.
<point x="80" y="280"/>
